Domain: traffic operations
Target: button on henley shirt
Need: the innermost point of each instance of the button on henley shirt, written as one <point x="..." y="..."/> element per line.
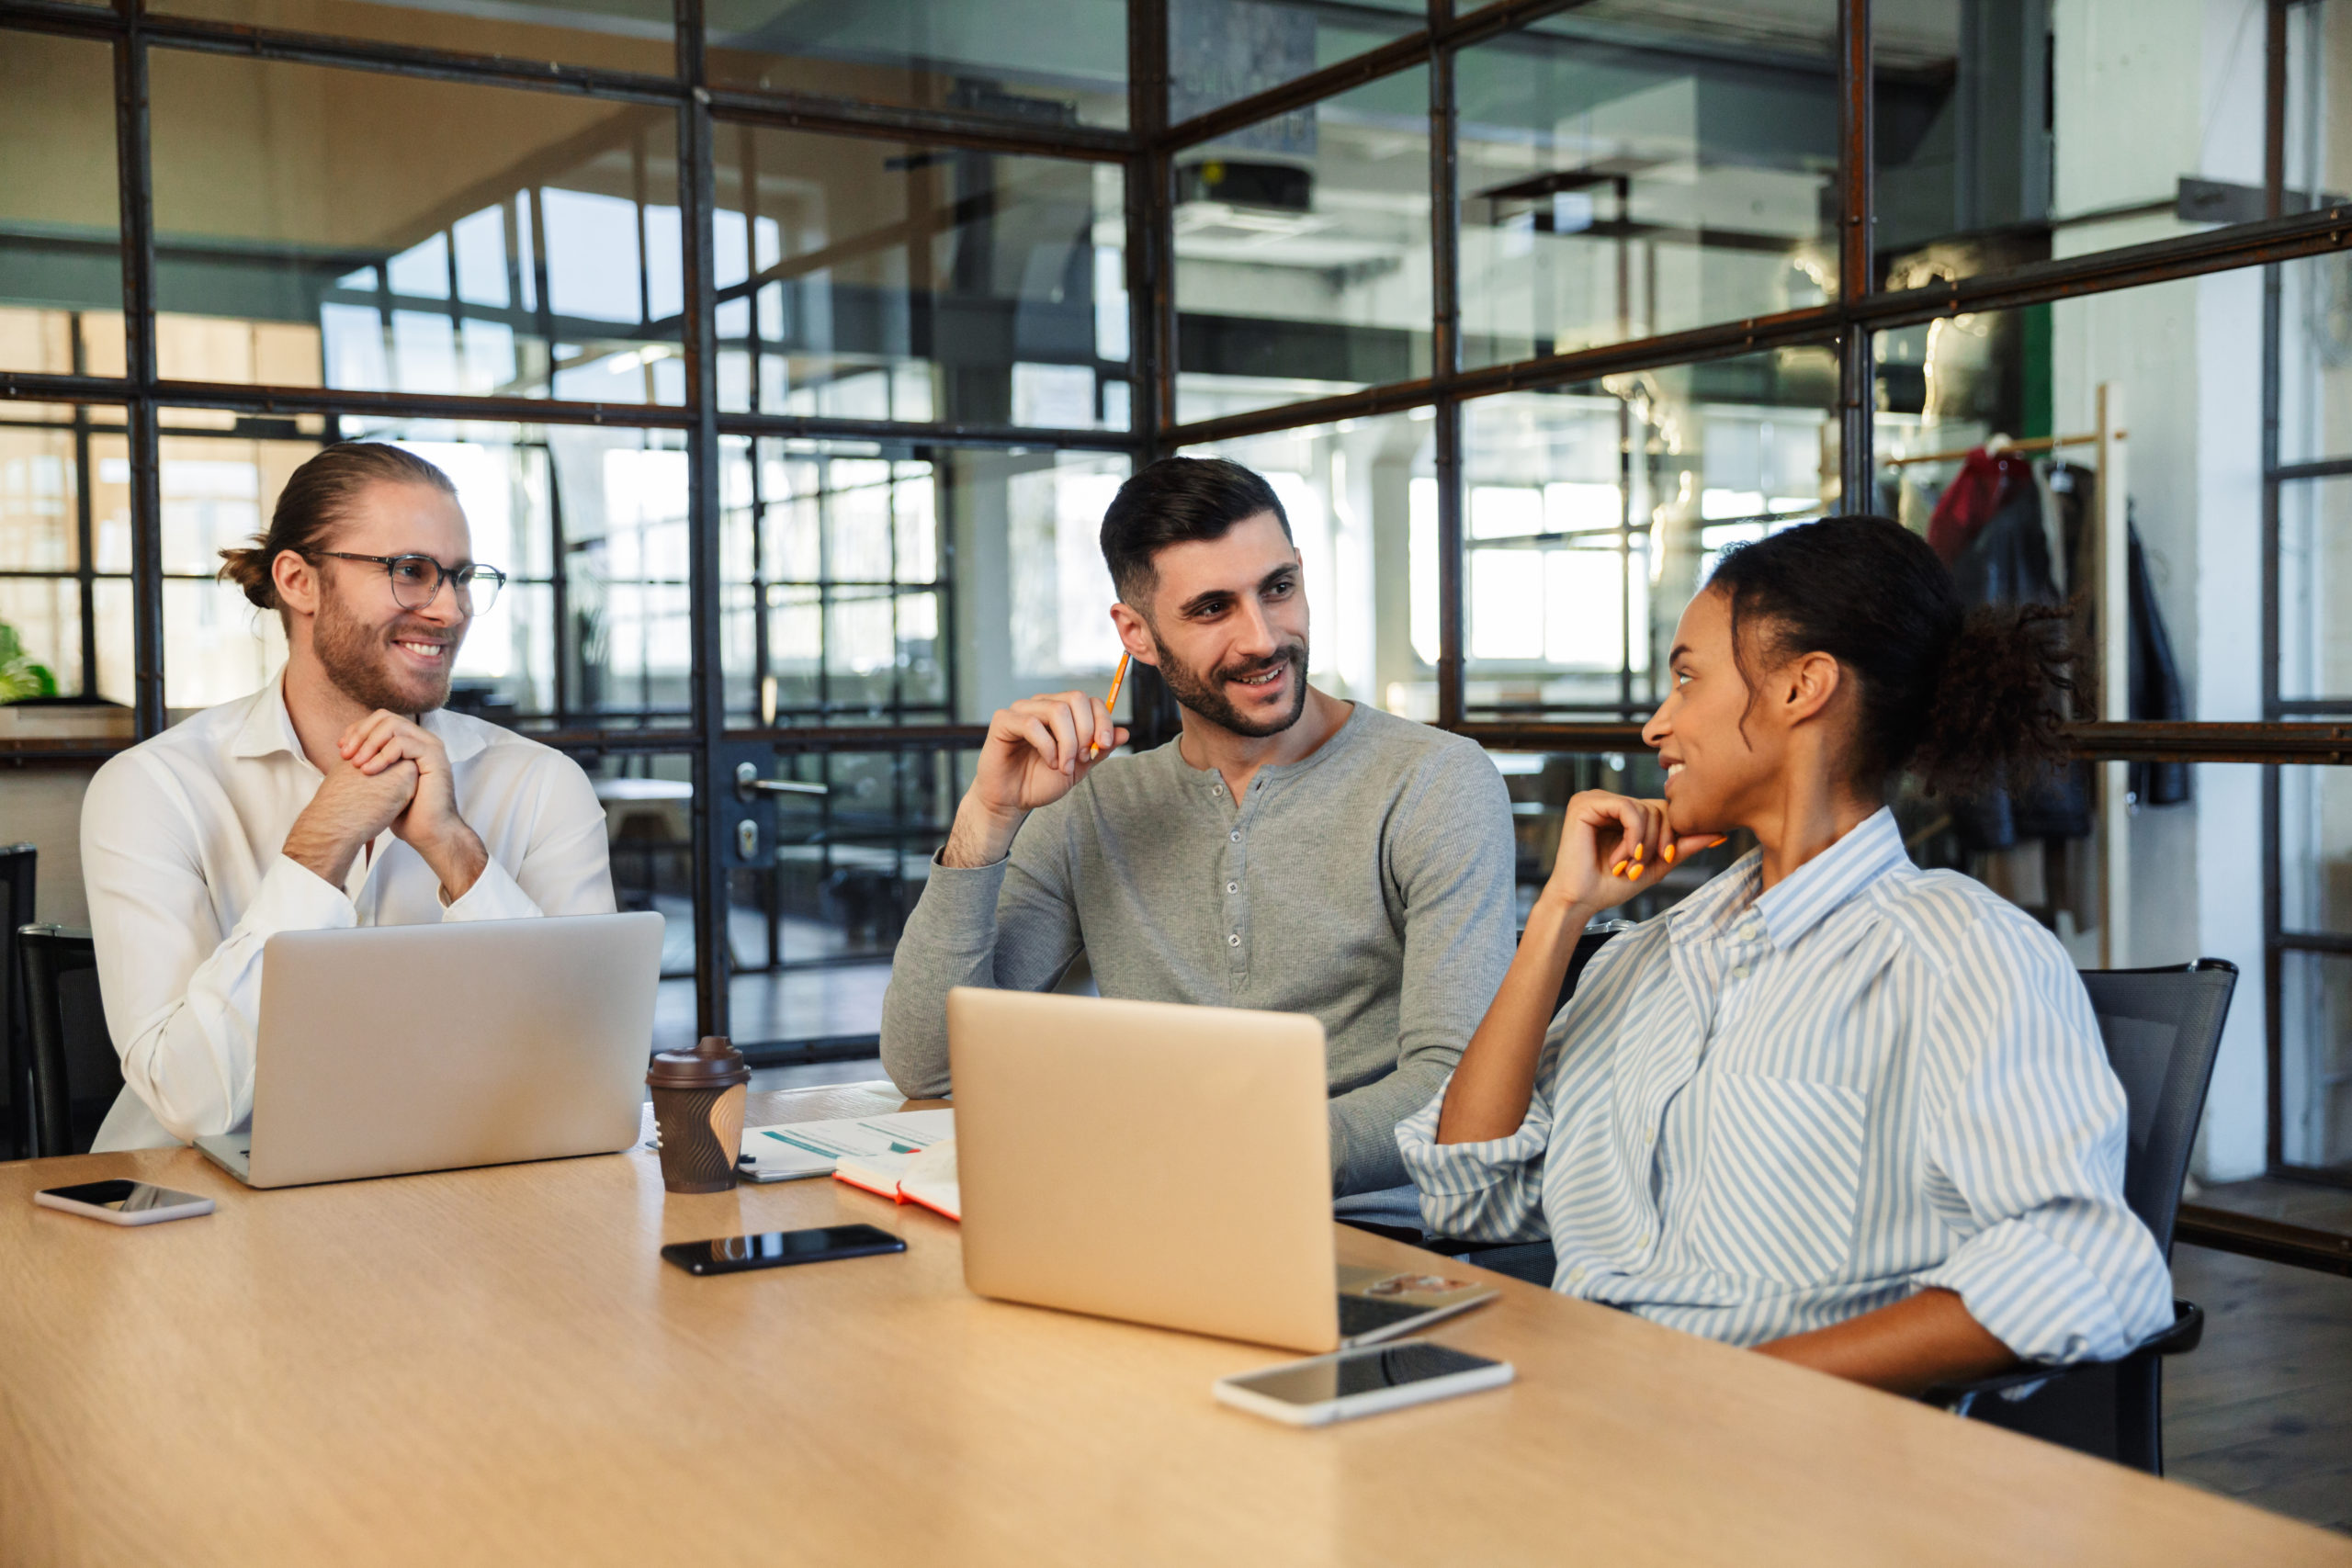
<point x="1370" y="884"/>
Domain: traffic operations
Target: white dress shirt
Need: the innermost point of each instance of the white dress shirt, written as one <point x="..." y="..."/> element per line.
<point x="1760" y="1115"/>
<point x="180" y="854"/>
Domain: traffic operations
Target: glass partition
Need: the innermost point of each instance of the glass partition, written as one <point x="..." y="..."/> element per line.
<point x="1591" y="514"/>
<point x="65" y="571"/>
<point x="904" y="582"/>
<point x="60" y="265"/>
<point x="349" y="228"/>
<point x="1220" y="51"/>
<point x="1303" y="252"/>
<point x="2014" y="133"/>
<point x="816" y="910"/>
<point x="1631" y="170"/>
<point x="617" y="35"/>
<point x="869" y="281"/>
<point x="1036" y="62"/>
<point x="588" y="525"/>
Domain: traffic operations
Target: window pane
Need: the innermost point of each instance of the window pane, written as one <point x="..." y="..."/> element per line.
<point x="1044" y="63"/>
<point x="867" y="280"/>
<point x="1592" y="513"/>
<point x="2314" y="563"/>
<point x="866" y="557"/>
<point x="64" y="517"/>
<point x="817" y="908"/>
<point x="1222" y="50"/>
<point x="1630" y="170"/>
<point x="2315" y="358"/>
<point x="648" y="817"/>
<point x="2316" y="1060"/>
<point x="391" y="233"/>
<point x="2000" y="143"/>
<point x="619" y="35"/>
<point x="1362" y="507"/>
<point x="604" y="641"/>
<point x="2314" y="875"/>
<point x="59" y="221"/>
<point x="1303" y="252"/>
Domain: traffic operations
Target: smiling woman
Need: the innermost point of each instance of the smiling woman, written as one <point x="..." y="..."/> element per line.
<point x="1851" y="1113"/>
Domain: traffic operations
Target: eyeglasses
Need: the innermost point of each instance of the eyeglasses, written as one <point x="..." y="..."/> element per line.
<point x="417" y="580"/>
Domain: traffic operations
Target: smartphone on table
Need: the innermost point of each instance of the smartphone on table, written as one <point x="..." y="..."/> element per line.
<point x="123" y="1203"/>
<point x="778" y="1249"/>
<point x="1362" y="1381"/>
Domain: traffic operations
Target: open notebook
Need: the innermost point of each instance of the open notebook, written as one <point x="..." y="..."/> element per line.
<point x="798" y="1149"/>
<point x="926" y="1177"/>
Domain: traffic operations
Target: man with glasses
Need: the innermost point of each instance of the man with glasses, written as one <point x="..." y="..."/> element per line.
<point x="342" y="793"/>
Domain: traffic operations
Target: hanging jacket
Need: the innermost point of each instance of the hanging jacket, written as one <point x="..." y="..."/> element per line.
<point x="2007" y="563"/>
<point x="2155" y="679"/>
<point x="1971" y="502"/>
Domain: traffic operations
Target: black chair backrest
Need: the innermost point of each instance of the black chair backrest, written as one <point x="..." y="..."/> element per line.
<point x="2163" y="1029"/>
<point x="1587" y="945"/>
<point x="16" y="865"/>
<point x="76" y="1074"/>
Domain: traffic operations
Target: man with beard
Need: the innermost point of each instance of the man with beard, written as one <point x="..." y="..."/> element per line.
<point x="1288" y="852"/>
<point x="339" y="794"/>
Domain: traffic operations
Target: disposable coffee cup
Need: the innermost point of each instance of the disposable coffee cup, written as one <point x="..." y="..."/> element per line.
<point x="699" y="1105"/>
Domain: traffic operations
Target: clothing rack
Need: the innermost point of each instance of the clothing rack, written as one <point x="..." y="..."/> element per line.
<point x="1997" y="445"/>
<point x="2111" y="464"/>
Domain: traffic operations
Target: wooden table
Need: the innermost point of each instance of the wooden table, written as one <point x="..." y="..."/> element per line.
<point x="493" y="1366"/>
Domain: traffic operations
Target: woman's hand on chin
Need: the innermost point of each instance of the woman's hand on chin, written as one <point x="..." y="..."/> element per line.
<point x="1613" y="846"/>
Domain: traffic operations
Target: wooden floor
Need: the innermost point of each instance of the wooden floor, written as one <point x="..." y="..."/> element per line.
<point x="2262" y="1410"/>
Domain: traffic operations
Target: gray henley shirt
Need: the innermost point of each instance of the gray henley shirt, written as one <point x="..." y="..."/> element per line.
<point x="1370" y="885"/>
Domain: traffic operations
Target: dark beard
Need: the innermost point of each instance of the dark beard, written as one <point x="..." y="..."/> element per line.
<point x="1207" y="698"/>
<point x="353" y="655"/>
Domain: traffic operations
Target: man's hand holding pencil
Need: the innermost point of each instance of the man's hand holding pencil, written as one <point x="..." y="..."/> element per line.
<point x="1036" y="751"/>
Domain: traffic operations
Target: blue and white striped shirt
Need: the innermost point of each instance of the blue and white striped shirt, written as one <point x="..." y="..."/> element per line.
<point x="1762" y="1115"/>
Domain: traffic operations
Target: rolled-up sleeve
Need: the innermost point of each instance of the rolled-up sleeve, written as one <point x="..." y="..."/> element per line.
<point x="1491" y="1190"/>
<point x="2029" y="1143"/>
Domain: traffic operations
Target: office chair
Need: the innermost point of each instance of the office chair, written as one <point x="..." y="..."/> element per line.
<point x="75" y="1074"/>
<point x="2162" y="1029"/>
<point x="17" y="864"/>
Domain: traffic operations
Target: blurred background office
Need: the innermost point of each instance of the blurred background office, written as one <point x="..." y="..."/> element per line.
<point x="784" y="354"/>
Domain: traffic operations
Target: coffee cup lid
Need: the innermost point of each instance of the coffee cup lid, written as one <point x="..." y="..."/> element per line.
<point x="714" y="1064"/>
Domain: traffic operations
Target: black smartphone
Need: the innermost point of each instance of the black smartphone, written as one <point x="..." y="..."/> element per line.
<point x="777" y="1250"/>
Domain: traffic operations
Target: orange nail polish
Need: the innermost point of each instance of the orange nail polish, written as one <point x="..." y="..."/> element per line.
<point x="1723" y="840"/>
<point x="1667" y="854"/>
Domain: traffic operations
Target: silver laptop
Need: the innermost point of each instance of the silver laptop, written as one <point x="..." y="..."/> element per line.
<point x="392" y="1049"/>
<point x="1166" y="1164"/>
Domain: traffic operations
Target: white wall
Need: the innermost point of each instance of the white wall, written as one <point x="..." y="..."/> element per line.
<point x="2188" y="356"/>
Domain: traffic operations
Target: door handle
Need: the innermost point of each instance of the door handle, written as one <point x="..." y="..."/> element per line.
<point x="750" y="786"/>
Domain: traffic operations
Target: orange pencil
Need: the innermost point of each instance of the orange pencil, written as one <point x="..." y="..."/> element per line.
<point x="1118" y="679"/>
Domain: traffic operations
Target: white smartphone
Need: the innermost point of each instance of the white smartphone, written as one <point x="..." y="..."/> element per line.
<point x="1362" y="1381"/>
<point x="124" y="1202"/>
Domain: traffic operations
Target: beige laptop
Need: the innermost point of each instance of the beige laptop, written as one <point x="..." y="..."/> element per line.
<point x="1163" y="1164"/>
<point x="392" y="1049"/>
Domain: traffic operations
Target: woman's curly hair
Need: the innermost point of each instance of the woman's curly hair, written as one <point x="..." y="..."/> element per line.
<point x="1962" y="696"/>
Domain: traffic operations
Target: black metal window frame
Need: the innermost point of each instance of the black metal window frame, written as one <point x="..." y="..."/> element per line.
<point x="1147" y="152"/>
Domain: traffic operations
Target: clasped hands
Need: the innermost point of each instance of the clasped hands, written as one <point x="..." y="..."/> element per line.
<point x="394" y="773"/>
